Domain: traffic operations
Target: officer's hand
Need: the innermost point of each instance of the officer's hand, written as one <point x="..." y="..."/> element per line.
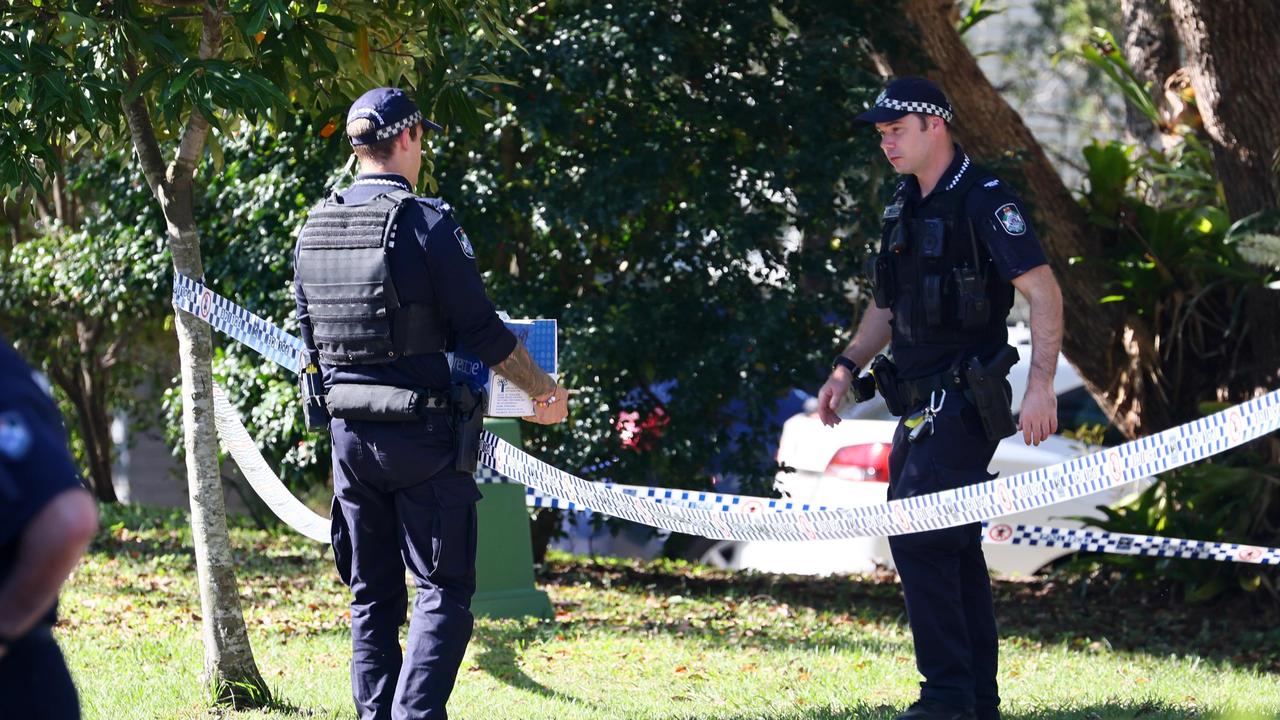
<point x="832" y="396"/>
<point x="551" y="409"/>
<point x="1039" y="417"/>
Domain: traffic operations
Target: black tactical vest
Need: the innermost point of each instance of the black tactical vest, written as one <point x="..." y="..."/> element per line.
<point x="936" y="274"/>
<point x="356" y="315"/>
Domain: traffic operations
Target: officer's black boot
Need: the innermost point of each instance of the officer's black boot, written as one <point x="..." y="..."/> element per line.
<point x="931" y="710"/>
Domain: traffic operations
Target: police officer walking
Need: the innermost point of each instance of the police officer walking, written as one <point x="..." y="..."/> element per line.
<point x="955" y="244"/>
<point x="46" y="520"/>
<point x="385" y="283"/>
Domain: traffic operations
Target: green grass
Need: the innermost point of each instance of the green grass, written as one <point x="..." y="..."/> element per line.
<point x="664" y="640"/>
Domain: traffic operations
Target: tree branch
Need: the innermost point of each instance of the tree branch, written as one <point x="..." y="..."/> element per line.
<point x="375" y="51"/>
<point x="191" y="145"/>
<point x="143" y="133"/>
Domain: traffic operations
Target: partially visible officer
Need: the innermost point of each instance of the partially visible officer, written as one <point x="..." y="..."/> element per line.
<point x="385" y="283"/>
<point x="46" y="520"/>
<point x="955" y="244"/>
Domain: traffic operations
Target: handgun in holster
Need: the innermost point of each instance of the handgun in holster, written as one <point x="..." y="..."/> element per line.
<point x="990" y="393"/>
<point x="886" y="380"/>
<point x="315" y="414"/>
<point x="468" y="407"/>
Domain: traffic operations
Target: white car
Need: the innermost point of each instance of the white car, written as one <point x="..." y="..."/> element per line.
<point x="848" y="465"/>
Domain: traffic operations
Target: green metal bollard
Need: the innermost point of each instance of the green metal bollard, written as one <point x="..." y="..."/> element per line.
<point x="504" y="552"/>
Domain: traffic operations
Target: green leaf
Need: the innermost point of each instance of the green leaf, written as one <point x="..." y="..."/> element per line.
<point x="494" y="79"/>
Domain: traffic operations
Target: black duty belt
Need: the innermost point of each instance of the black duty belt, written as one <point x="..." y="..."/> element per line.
<point x="914" y="392"/>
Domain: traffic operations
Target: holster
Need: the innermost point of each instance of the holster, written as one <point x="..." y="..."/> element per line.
<point x="468" y="421"/>
<point x="990" y="393"/>
<point x="886" y="377"/>
<point x="864" y="388"/>
<point x="315" y="414"/>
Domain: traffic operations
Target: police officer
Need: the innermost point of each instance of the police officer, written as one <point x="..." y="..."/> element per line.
<point x="385" y="283"/>
<point x="955" y="244"/>
<point x="46" y="520"/>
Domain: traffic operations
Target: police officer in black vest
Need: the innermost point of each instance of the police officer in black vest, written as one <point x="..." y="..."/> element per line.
<point x="955" y="244"/>
<point x="386" y="282"/>
<point x="46" y="520"/>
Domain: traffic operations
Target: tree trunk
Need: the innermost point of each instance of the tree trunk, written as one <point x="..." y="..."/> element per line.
<point x="229" y="666"/>
<point x="1237" y="93"/>
<point x="1151" y="49"/>
<point x="83" y="384"/>
<point x="1095" y="336"/>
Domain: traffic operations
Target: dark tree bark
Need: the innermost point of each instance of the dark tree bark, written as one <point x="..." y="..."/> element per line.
<point x="1151" y="48"/>
<point x="1237" y="91"/>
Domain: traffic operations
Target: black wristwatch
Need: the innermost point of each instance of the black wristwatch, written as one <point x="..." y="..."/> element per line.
<point x="844" y="362"/>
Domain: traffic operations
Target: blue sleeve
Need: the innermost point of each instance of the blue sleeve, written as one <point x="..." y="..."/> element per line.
<point x="1001" y="222"/>
<point x="464" y="305"/>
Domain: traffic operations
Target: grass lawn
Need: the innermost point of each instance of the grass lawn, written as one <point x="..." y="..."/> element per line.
<point x="640" y="640"/>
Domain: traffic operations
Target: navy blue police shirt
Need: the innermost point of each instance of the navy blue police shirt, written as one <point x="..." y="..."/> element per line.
<point x="432" y="264"/>
<point x="1002" y="227"/>
<point x="35" y="466"/>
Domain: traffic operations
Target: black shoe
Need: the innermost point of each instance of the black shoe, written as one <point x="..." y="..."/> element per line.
<point x="987" y="714"/>
<point x="931" y="710"/>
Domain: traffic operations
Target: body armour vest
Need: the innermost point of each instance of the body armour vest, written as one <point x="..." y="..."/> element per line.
<point x="936" y="274"/>
<point x="356" y="315"/>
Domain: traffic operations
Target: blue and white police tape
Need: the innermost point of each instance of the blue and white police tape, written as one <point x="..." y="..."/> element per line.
<point x="1038" y="488"/>
<point x="994" y="532"/>
<point x="270" y="340"/>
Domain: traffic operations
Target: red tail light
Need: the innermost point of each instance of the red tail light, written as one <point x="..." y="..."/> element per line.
<point x="869" y="462"/>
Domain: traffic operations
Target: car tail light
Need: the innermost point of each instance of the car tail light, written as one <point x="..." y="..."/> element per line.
<point x="868" y="462"/>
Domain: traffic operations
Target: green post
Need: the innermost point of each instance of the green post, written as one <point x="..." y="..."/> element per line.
<point x="504" y="552"/>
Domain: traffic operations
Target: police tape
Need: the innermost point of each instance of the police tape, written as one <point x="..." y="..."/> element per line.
<point x="993" y="533"/>
<point x="1029" y="490"/>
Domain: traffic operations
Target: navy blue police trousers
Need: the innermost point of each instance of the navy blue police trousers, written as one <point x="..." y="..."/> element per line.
<point x="34" y="681"/>
<point x="943" y="572"/>
<point x="399" y="504"/>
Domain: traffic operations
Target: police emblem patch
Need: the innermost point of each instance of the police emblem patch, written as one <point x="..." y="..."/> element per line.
<point x="465" y="243"/>
<point x="15" y="437"/>
<point x="1011" y="219"/>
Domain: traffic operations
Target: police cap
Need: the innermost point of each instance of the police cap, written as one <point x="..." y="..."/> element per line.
<point x="390" y="110"/>
<point x="906" y="95"/>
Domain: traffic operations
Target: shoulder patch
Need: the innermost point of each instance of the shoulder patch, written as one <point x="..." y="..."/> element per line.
<point x="464" y="242"/>
<point x="15" y="436"/>
<point x="1011" y="219"/>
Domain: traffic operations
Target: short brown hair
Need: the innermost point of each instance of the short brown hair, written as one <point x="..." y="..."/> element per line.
<point x="379" y="151"/>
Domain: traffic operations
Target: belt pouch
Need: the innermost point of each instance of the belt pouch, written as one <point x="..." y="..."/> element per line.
<point x="379" y="403"/>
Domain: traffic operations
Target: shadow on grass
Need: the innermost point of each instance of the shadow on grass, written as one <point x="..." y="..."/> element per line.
<point x="1100" y="614"/>
<point x="499" y="657"/>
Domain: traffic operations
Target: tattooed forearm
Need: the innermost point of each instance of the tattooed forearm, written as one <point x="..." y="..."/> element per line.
<point x="520" y="369"/>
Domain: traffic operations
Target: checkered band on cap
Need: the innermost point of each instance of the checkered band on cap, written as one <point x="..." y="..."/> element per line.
<point x="913" y="106"/>
<point x="397" y="127"/>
